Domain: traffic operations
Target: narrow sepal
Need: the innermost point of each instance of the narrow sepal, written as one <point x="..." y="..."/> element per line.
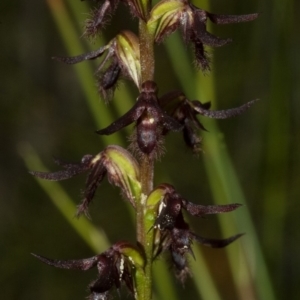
<point x="80" y="264"/>
<point x="231" y="19"/>
<point x="222" y="114"/>
<point x="132" y="115"/>
<point x="70" y="171"/>
<point x="82" y="57"/>
<point x="200" y="210"/>
<point x="215" y="243"/>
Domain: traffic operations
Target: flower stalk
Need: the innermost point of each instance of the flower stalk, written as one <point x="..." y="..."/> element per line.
<point x="160" y="223"/>
<point x="147" y="163"/>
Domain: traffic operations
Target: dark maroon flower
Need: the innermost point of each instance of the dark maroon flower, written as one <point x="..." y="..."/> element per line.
<point x="121" y="60"/>
<point x="114" y="267"/>
<point x="193" y="23"/>
<point x="150" y="118"/>
<point x="186" y="111"/>
<point x="98" y="166"/>
<point x="175" y="233"/>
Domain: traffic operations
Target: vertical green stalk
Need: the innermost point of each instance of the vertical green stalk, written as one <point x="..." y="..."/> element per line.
<point x="147" y="163"/>
<point x="276" y="172"/>
<point x="146" y="52"/>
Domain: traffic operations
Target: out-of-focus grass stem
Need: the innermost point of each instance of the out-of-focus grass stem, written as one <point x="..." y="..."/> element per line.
<point x="277" y="147"/>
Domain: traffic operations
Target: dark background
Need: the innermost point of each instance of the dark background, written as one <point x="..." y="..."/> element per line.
<point x="43" y="105"/>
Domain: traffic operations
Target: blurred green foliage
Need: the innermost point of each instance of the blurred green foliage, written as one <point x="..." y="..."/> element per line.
<point x="45" y="104"/>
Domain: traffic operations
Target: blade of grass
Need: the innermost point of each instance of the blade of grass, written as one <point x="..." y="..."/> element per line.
<point x="226" y="189"/>
<point x="163" y="282"/>
<point x="276" y="172"/>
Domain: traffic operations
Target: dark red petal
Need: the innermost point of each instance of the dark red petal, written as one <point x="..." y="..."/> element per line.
<point x="132" y="115"/>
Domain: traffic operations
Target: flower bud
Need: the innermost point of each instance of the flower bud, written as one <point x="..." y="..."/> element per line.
<point x="165" y="18"/>
<point x="128" y="52"/>
<point x="122" y="171"/>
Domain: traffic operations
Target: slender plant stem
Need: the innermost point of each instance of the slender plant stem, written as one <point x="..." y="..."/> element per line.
<point x="145" y="238"/>
<point x="147" y="170"/>
<point x="146" y="52"/>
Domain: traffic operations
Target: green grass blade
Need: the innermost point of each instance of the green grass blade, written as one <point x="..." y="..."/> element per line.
<point x="220" y="169"/>
<point x="248" y="265"/>
<point x="278" y="143"/>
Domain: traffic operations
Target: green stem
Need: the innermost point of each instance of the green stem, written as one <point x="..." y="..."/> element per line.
<point x="146" y="52"/>
<point x="147" y="170"/>
<point x="145" y="238"/>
